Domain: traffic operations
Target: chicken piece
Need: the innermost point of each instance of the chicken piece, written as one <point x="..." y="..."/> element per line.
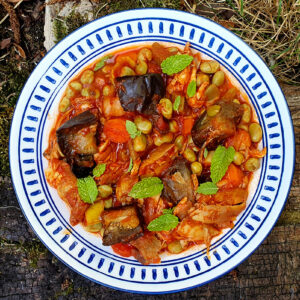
<point x="209" y="132"/>
<point x="158" y="160"/>
<point x="231" y="196"/>
<point x="192" y="230"/>
<point x="177" y="182"/>
<point x="77" y="141"/>
<point x="60" y="176"/>
<point x="124" y="186"/>
<point x="121" y="225"/>
<point x="148" y="247"/>
<point x="210" y="214"/>
<point x="141" y="93"/>
<point x="182" y="208"/>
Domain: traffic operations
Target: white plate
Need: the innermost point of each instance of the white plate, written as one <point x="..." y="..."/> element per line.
<point x="49" y="216"/>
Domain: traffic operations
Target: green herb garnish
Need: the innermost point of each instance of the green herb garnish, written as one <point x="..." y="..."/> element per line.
<point x="207" y="188"/>
<point x="87" y="189"/>
<point x="191" y="89"/>
<point x="176" y="63"/>
<point x="101" y="63"/>
<point x="164" y="222"/>
<point x="132" y="129"/>
<point x="147" y="187"/>
<point x="168" y="211"/>
<point x="99" y="170"/>
<point x="205" y="153"/>
<point x="176" y="103"/>
<point x="220" y="162"/>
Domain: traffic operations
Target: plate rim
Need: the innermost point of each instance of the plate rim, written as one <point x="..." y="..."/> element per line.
<point x="273" y="221"/>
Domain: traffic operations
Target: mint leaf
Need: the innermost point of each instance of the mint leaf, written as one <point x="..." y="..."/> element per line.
<point x="131" y="129"/>
<point x="220" y="162"/>
<point x="168" y="211"/>
<point x="130" y="165"/>
<point x="176" y="63"/>
<point x="191" y="89"/>
<point x="176" y="103"/>
<point x="207" y="188"/>
<point x="87" y="189"/>
<point x="164" y="222"/>
<point x="100" y="64"/>
<point x="147" y="187"/>
<point x="205" y="153"/>
<point x="99" y="170"/>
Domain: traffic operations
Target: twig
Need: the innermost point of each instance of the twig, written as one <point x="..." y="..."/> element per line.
<point x="5" y="207"/>
<point x="8" y="14"/>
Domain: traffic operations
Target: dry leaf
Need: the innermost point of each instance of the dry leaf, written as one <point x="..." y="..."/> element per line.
<point x="5" y="43"/>
<point x="20" y="50"/>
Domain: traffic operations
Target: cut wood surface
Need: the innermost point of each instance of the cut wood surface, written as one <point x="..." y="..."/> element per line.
<point x="29" y="271"/>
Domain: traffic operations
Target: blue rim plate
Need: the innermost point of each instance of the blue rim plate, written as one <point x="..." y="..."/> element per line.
<point x="49" y="216"/>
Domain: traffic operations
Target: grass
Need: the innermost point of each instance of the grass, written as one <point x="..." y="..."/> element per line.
<point x="271" y="27"/>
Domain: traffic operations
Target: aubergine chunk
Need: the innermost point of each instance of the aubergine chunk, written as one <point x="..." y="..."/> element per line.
<point x="177" y="182"/>
<point x="141" y="93"/>
<point x="212" y="131"/>
<point x="77" y="141"/>
<point x="121" y="225"/>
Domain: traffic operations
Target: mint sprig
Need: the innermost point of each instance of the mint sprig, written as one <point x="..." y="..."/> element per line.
<point x="87" y="189"/>
<point x="207" y="188"/>
<point x="168" y="211"/>
<point x="191" y="89"/>
<point x="99" y="170"/>
<point x="164" y="222"/>
<point x="147" y="187"/>
<point x="220" y="162"/>
<point x="132" y="129"/>
<point x="176" y="103"/>
<point x="100" y="64"/>
<point x="176" y="63"/>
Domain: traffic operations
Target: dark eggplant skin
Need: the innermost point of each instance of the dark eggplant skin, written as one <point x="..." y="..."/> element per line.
<point x="127" y="229"/>
<point x="141" y="93"/>
<point x="212" y="131"/>
<point x="175" y="190"/>
<point x="81" y="161"/>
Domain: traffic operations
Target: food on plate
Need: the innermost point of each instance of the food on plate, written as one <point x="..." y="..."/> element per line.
<point x="153" y="149"/>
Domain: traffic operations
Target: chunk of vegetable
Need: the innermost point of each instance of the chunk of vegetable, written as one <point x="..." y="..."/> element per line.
<point x="115" y="130"/>
<point x="211" y="131"/>
<point x="121" y="225"/>
<point x="93" y="213"/>
<point x="78" y="146"/>
<point x="255" y="132"/>
<point x="140" y="93"/>
<point x="177" y="182"/>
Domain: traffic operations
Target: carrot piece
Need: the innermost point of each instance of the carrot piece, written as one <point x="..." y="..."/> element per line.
<point x="240" y="141"/>
<point x="233" y="177"/>
<point x="115" y="130"/>
<point x="124" y="250"/>
<point x="187" y="125"/>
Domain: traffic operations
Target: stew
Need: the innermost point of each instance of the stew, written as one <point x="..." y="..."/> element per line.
<point x="153" y="149"/>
